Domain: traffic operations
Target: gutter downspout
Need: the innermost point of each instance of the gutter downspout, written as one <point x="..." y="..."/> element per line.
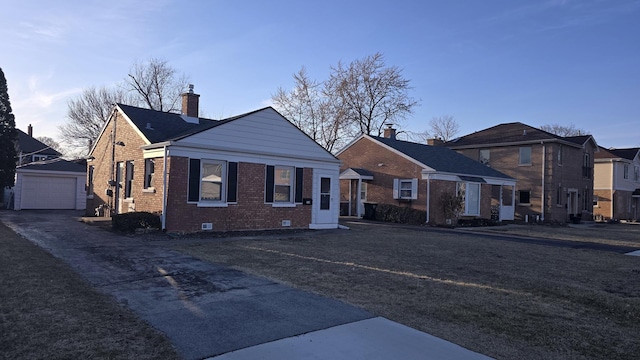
<point x="544" y="153"/>
<point x="428" y="196"/>
<point x="164" y="190"/>
<point x="613" y="187"/>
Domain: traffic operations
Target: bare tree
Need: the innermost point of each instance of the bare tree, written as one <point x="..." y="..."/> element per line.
<point x="86" y="116"/>
<point x="307" y="108"/>
<point x="562" y="130"/>
<point x="443" y="127"/>
<point x="369" y="93"/>
<point x="50" y="143"/>
<point x="156" y="85"/>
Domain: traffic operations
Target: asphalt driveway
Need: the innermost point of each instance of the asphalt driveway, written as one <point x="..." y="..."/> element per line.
<point x="204" y="309"/>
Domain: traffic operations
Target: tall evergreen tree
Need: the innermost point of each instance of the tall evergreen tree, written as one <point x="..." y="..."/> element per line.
<point x="8" y="136"/>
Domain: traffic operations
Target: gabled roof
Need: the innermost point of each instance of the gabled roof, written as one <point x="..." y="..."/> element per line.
<point x="441" y="159"/>
<point x="158" y="126"/>
<point x="512" y="133"/>
<point x="626" y="153"/>
<point x="30" y="145"/>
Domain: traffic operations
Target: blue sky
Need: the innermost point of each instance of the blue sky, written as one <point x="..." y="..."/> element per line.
<point x="482" y="62"/>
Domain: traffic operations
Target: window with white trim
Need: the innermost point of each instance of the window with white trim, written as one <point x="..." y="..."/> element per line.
<point x="525" y="156"/>
<point x="212" y="183"/>
<point x="35" y="158"/>
<point x="636" y="173"/>
<point x="128" y="185"/>
<point x="485" y="156"/>
<point x="405" y="189"/>
<point x="149" y="169"/>
<point x="212" y="174"/>
<point x="625" y="171"/>
<point x="559" y="154"/>
<point x="470" y="195"/>
<point x="283" y="184"/>
<point x="363" y="191"/>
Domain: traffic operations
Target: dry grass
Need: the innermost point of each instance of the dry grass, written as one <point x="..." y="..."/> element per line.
<point x="47" y="311"/>
<point x="507" y="300"/>
<point x="610" y="234"/>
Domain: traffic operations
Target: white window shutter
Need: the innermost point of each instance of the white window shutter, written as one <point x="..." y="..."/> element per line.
<point x="414" y="189"/>
<point x="396" y="186"/>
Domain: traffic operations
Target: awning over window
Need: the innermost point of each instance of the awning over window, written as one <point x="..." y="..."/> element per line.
<point x="636" y="193"/>
<point x="472" y="179"/>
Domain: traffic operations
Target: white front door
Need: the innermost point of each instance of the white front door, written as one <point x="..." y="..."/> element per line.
<point x="325" y="207"/>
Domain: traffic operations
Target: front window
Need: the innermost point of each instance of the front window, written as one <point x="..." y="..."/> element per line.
<point x="524" y="197"/>
<point x="283" y="182"/>
<point x="626" y="171"/>
<point x="149" y="169"/>
<point x="595" y="200"/>
<point x="405" y="189"/>
<point x="559" y="195"/>
<point x="90" y="180"/>
<point x="212" y="173"/>
<point x="128" y="185"/>
<point x="363" y="191"/>
<point x="485" y="156"/>
<point x="560" y="155"/>
<point x="636" y="173"/>
<point x="470" y="194"/>
<point x="525" y="155"/>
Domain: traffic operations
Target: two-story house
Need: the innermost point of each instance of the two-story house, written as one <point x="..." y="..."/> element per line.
<point x="554" y="173"/>
<point x="617" y="184"/>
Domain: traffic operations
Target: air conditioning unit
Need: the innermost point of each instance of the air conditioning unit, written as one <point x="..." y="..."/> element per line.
<point x="286" y="223"/>
<point x="207" y="226"/>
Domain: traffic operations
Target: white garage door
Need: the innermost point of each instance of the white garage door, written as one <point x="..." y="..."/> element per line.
<point x="42" y="192"/>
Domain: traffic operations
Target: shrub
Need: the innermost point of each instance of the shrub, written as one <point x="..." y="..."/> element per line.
<point x="397" y="214"/>
<point x="129" y="222"/>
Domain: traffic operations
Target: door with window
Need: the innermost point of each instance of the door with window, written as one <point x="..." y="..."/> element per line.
<point x="324" y="207"/>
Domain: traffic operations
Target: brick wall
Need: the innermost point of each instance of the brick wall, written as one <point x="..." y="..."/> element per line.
<point x="567" y="175"/>
<point x="386" y="166"/>
<point x="368" y="155"/>
<point x="250" y="212"/>
<point x="105" y="169"/>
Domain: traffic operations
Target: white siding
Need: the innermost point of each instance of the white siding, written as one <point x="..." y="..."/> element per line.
<point x="263" y="131"/>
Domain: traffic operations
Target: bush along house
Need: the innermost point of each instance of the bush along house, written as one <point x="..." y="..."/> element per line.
<point x="385" y="170"/>
<point x="554" y="173"/>
<point x="252" y="171"/>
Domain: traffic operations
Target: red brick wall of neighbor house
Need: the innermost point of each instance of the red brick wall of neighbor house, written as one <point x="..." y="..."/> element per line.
<point x="569" y="175"/>
<point x="143" y="201"/>
<point x="603" y="209"/>
<point x="250" y="212"/>
<point x="368" y="155"/>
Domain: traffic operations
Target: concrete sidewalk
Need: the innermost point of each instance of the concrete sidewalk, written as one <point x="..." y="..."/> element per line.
<point x="371" y="339"/>
<point x="207" y="310"/>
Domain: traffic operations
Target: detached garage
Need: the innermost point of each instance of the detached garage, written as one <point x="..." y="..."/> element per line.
<point x="57" y="185"/>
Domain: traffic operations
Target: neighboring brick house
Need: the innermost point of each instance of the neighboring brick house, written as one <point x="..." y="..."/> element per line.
<point x="554" y="173"/>
<point x="617" y="184"/>
<point x="252" y="171"/>
<point x="385" y="170"/>
<point x="43" y="179"/>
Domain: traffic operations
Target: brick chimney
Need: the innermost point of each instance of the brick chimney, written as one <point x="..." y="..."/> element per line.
<point x="30" y="130"/>
<point x="190" y="103"/>
<point x="435" y="142"/>
<point x="390" y="132"/>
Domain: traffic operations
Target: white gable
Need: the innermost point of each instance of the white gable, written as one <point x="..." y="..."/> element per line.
<point x="262" y="132"/>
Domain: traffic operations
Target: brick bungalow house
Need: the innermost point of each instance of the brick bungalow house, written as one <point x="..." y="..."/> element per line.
<point x="252" y="171"/>
<point x="554" y="173"/>
<point x="385" y="170"/>
<point x="617" y="184"/>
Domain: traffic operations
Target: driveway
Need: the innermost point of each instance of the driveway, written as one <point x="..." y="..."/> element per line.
<point x="204" y="309"/>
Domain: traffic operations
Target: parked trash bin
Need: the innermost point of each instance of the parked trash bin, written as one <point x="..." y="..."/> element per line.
<point x="370" y="211"/>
